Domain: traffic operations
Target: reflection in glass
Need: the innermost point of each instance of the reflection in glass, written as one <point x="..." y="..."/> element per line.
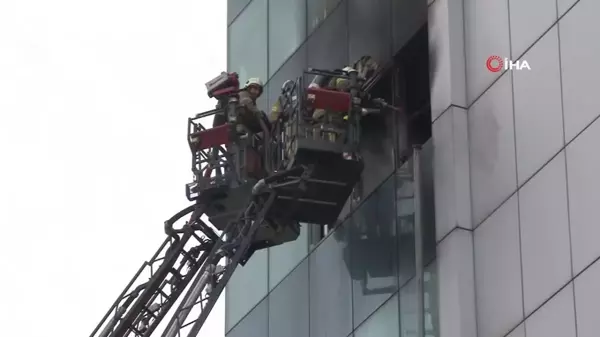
<point x="405" y="212"/>
<point x="408" y="309"/>
<point x="431" y="300"/>
<point x="234" y="7"/>
<point x="383" y="323"/>
<point x="292" y="68"/>
<point x="318" y="10"/>
<point x="255" y="324"/>
<point x="247" y="42"/>
<point x="407" y="17"/>
<point x="373" y="252"/>
<point x="328" y="46"/>
<point x="408" y="305"/>
<point x="330" y="288"/>
<point x="287" y="30"/>
<point x="246" y="288"/>
<point x="369" y="29"/>
<point x="428" y="202"/>
<point x="288" y="305"/>
<point x="283" y="258"/>
<point x="262" y="101"/>
<point x="377" y="149"/>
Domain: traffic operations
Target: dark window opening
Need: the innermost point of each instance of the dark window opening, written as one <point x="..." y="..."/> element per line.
<point x="413" y="61"/>
<point x="405" y="84"/>
<point x="374" y="123"/>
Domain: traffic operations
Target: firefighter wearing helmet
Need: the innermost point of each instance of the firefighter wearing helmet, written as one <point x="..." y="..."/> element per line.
<point x="249" y="119"/>
<point x="336" y="83"/>
<point x="251" y="115"/>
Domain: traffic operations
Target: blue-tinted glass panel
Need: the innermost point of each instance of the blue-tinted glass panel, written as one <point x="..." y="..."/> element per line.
<point x="378" y="140"/>
<point x="255" y="324"/>
<point x="292" y="69"/>
<point x="234" y="7"/>
<point x="373" y="248"/>
<point x="328" y="46"/>
<point x="287" y="30"/>
<point x="405" y="215"/>
<point x="428" y="202"/>
<point x="407" y="17"/>
<point x="318" y="10"/>
<point x="384" y="322"/>
<point x="377" y="149"/>
<point x="288" y="305"/>
<point x="246" y="288"/>
<point x="330" y="287"/>
<point x="283" y="258"/>
<point x="247" y="43"/>
<point x="369" y="29"/>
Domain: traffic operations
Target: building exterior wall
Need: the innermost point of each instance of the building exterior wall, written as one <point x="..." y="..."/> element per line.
<point x="514" y="171"/>
<point x="313" y="287"/>
<point x="345" y="286"/>
<point x="515" y="167"/>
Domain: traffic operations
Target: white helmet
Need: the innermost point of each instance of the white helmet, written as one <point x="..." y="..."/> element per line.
<point x="254" y="81"/>
<point x="348" y="70"/>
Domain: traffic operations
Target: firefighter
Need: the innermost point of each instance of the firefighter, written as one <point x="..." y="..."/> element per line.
<point x="334" y="83"/>
<point x="276" y="111"/>
<point x="286" y="98"/>
<point x="249" y="119"/>
<point x="250" y="115"/>
<point x="366" y="67"/>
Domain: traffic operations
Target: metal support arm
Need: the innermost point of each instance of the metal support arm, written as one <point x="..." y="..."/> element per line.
<point x="147" y="298"/>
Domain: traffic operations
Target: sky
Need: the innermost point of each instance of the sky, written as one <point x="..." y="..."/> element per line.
<point x="94" y="101"/>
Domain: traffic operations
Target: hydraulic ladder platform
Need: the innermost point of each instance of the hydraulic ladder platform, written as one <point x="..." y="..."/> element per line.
<point x="307" y="172"/>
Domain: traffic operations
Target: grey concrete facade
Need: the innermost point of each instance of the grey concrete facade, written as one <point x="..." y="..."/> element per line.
<point x="516" y="167"/>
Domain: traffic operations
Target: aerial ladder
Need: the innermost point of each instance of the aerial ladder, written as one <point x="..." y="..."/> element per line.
<point x="307" y="172"/>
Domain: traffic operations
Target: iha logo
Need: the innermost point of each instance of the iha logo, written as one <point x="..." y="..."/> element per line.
<point x="495" y="63"/>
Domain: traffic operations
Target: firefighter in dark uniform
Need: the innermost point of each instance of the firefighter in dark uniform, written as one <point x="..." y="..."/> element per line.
<point x="250" y="119"/>
<point x="250" y="116"/>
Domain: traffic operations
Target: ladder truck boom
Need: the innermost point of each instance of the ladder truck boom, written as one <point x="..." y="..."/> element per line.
<point x="213" y="277"/>
<point x="138" y="311"/>
<point x="145" y="301"/>
<point x="255" y="187"/>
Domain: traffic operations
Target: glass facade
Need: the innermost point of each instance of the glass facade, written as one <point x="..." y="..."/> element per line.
<point x="276" y="40"/>
<point x="282" y="259"/>
<point x="498" y="185"/>
<point x="317" y="11"/>
<point x="287" y="30"/>
<point x="373" y="252"/>
<point x="360" y="280"/>
<point x="247" y="287"/>
<point x="247" y="42"/>
<point x="328" y="45"/>
<point x="369" y="29"/>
